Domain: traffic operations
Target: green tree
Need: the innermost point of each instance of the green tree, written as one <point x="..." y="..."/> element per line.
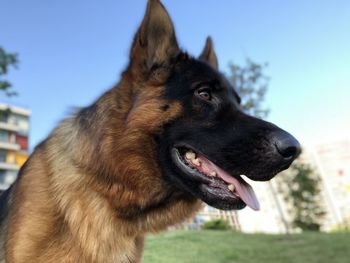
<point x="251" y="83"/>
<point x="300" y="186"/>
<point x="7" y="60"/>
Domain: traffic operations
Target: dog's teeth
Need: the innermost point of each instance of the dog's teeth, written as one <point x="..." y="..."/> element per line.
<point x="190" y="155"/>
<point x="213" y="174"/>
<point x="231" y="187"/>
<point x="196" y="162"/>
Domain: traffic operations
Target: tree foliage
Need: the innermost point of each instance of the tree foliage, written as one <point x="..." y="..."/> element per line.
<point x="302" y="192"/>
<point x="251" y="83"/>
<point x="7" y="60"/>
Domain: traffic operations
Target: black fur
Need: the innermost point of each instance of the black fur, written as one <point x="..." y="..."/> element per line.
<point x="219" y="129"/>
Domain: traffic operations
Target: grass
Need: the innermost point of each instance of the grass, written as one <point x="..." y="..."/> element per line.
<point x="231" y="247"/>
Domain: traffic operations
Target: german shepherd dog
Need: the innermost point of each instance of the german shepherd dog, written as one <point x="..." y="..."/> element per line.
<point x="140" y="159"/>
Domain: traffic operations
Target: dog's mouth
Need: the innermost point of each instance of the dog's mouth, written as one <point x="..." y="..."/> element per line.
<point x="213" y="180"/>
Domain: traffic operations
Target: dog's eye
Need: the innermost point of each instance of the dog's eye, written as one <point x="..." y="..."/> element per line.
<point x="204" y="93"/>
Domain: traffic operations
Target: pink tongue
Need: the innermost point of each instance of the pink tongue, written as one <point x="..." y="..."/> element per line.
<point x="242" y="188"/>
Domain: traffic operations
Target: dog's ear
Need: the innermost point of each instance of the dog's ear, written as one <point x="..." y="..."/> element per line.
<point x="208" y="54"/>
<point x="155" y="42"/>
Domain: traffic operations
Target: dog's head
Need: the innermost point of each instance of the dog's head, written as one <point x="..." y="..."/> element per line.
<point x="206" y="142"/>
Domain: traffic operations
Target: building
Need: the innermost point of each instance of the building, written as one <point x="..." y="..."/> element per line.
<point x="14" y="132"/>
<point x="332" y="161"/>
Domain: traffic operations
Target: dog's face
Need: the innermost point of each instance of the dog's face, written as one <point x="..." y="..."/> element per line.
<point x="214" y="142"/>
<point x="205" y="149"/>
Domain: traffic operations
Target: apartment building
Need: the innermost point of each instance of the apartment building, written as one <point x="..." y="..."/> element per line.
<point x="332" y="161"/>
<point x="14" y="133"/>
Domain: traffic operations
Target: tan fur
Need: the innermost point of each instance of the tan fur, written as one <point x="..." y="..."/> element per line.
<point x="67" y="209"/>
<point x="93" y="189"/>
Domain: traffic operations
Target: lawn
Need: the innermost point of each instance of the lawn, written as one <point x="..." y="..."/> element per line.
<point x="231" y="247"/>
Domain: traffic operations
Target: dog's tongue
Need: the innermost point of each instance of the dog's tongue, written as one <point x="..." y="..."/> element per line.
<point x="242" y="188"/>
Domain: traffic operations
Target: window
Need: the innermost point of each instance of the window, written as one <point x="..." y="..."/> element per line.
<point x="22" y="122"/>
<point x="2" y="156"/>
<point x="2" y="176"/>
<point x="4" y="136"/>
<point x="4" y="116"/>
<point x="22" y="141"/>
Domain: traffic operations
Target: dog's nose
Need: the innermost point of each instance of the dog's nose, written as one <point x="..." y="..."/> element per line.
<point x="287" y="146"/>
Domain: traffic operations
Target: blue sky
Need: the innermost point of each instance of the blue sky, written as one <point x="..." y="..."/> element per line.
<point x="72" y="51"/>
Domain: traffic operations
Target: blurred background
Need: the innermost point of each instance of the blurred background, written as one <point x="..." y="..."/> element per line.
<point x="289" y="60"/>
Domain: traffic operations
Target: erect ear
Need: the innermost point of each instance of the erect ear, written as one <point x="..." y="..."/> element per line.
<point x="208" y="54"/>
<point x="155" y="41"/>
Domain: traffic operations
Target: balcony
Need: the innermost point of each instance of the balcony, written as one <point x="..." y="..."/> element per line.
<point x="9" y="166"/>
<point x="8" y="127"/>
<point x="9" y="146"/>
<point x="15" y="109"/>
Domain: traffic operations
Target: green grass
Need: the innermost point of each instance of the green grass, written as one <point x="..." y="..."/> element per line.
<point x="231" y="247"/>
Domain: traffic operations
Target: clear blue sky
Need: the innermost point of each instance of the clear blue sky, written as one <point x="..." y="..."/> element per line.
<point x="71" y="51"/>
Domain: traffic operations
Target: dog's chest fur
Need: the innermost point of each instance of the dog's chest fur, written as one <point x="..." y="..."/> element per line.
<point x="58" y="215"/>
